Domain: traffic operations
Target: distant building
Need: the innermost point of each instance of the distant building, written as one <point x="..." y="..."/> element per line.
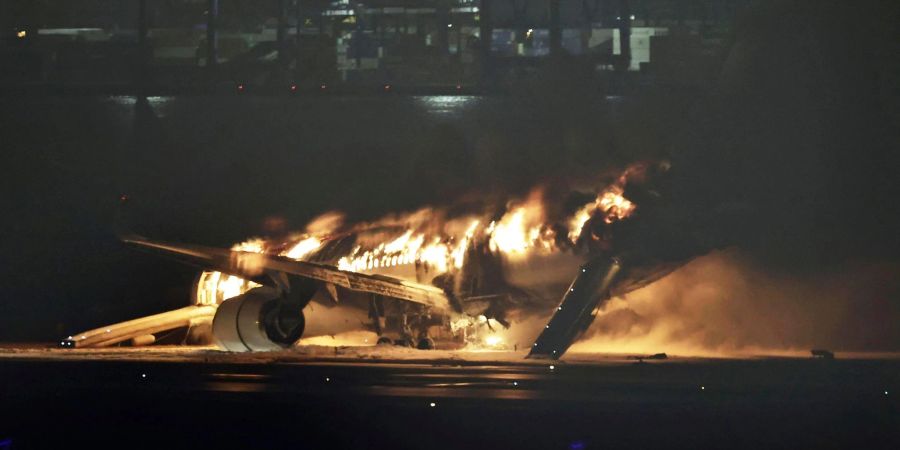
<point x="640" y="44"/>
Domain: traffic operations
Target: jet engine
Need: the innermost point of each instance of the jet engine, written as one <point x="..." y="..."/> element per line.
<point x="257" y="320"/>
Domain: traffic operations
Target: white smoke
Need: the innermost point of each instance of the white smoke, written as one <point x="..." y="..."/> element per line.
<point x="724" y="304"/>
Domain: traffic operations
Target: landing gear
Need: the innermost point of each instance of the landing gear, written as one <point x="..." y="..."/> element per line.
<point x="421" y="344"/>
<point x="403" y="342"/>
<point x="406" y="324"/>
<point x="425" y="343"/>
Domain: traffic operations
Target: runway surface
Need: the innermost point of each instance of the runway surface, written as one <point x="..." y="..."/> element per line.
<point x="173" y="398"/>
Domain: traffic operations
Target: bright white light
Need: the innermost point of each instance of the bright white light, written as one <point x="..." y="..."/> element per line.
<point x="445" y="105"/>
<point x="327" y="379"/>
<point x="432" y="404"/>
<point x="492" y="340"/>
<point x="702" y="388"/>
<point x="515" y="383"/>
<point x="303" y="248"/>
<point x="143" y="375"/>
<point x="449" y="25"/>
<point x="632" y="17"/>
<point x="552" y="367"/>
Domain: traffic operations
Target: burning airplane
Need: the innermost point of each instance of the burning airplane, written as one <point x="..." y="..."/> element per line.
<point x="426" y="277"/>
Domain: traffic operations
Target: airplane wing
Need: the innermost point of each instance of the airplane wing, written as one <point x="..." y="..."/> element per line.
<point x="258" y="267"/>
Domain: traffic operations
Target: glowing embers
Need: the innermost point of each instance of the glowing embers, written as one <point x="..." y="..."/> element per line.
<point x="215" y="287"/>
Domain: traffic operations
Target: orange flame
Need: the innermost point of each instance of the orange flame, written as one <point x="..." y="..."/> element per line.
<point x="430" y="243"/>
<point x="215" y="287"/>
<point x="302" y="249"/>
<point x="611" y="203"/>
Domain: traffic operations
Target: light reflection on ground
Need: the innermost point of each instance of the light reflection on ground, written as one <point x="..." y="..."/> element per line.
<point x="445" y="106"/>
<point x="350" y="354"/>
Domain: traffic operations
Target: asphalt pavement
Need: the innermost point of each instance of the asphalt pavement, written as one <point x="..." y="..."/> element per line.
<point x="210" y="398"/>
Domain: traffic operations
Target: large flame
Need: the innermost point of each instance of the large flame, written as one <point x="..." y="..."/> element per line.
<point x="434" y="252"/>
<point x="215" y="287"/>
<point x="429" y="243"/>
<point x="611" y="203"/>
<point x="303" y="248"/>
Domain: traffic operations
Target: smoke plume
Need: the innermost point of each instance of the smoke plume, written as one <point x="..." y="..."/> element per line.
<point x="726" y="304"/>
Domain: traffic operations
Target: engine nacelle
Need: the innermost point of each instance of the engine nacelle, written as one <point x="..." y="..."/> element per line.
<point x="257" y="320"/>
